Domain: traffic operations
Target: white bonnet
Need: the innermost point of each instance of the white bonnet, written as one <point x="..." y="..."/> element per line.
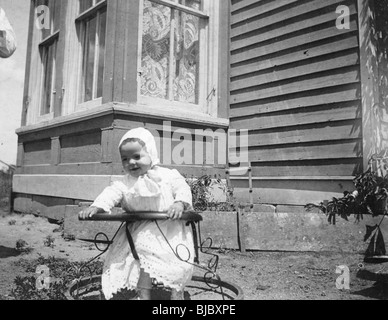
<point x="148" y="139"/>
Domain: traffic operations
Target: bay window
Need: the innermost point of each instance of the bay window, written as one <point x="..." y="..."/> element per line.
<point x="149" y="56"/>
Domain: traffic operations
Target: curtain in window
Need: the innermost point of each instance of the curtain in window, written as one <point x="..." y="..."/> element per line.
<point x="186" y="58"/>
<point x="170" y="64"/>
<point x="155" y="50"/>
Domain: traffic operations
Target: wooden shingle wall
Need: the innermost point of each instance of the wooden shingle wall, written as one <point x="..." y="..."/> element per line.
<point x="295" y="85"/>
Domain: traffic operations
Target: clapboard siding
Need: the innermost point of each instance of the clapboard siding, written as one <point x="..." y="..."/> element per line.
<point x="291" y="192"/>
<point x="295" y="85"/>
<point x="311" y="82"/>
<point x="306" y="151"/>
<point x="289" y="28"/>
<point x="257" y="49"/>
<point x="309" y="168"/>
<point x="301" y="68"/>
<point x="307" y="51"/>
<point x="246" y="27"/>
<point x="246" y="9"/>
<point x="311" y="115"/>
<point x="322" y="96"/>
<point x="307" y="133"/>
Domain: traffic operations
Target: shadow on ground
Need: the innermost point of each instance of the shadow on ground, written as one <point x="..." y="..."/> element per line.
<point x="157" y="294"/>
<point x="6" y="252"/>
<point x="379" y="290"/>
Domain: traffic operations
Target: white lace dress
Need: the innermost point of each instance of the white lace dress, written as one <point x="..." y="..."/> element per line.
<point x="156" y="256"/>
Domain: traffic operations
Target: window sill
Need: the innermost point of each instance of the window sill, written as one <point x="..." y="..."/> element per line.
<point x="45" y="117"/>
<point x="170" y="113"/>
<point x="88" y="105"/>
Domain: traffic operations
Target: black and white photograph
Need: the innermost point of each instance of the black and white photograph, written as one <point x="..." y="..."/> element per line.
<point x="193" y="153"/>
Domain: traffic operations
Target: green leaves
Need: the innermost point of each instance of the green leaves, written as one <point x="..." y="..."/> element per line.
<point x="369" y="197"/>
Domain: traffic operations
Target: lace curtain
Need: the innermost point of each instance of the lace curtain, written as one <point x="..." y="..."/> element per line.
<point x="170" y="64"/>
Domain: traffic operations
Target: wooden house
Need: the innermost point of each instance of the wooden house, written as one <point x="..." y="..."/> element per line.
<point x="300" y="76"/>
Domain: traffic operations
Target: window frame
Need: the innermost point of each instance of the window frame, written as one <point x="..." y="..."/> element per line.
<point x="94" y="11"/>
<point x="50" y="43"/>
<point x="208" y="56"/>
<point x="44" y="44"/>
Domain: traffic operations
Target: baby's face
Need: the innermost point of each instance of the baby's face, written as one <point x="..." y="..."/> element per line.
<point x="135" y="159"/>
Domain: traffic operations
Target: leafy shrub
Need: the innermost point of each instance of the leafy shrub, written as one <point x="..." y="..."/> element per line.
<point x="202" y="196"/>
<point x="369" y="197"/>
<point x="26" y="289"/>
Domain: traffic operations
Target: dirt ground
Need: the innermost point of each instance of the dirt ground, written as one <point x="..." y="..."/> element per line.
<point x="260" y="275"/>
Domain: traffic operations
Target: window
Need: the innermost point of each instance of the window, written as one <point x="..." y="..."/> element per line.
<point x="48" y="54"/>
<point x="92" y="20"/>
<point x="175" y="52"/>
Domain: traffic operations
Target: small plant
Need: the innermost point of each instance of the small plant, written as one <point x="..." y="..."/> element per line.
<point x="22" y="246"/>
<point x="202" y="196"/>
<point x="370" y="197"/>
<point x="49" y="241"/>
<point x="28" y="222"/>
<point x="200" y="191"/>
<point x="12" y="222"/>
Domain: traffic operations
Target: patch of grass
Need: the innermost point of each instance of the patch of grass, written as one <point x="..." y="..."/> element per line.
<point x="59" y="229"/>
<point x="49" y="241"/>
<point x="61" y="273"/>
<point x="26" y="289"/>
<point x="68" y="237"/>
<point x="23" y="246"/>
<point x="28" y="222"/>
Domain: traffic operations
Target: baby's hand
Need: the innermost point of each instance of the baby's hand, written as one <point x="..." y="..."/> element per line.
<point x="176" y="210"/>
<point x="88" y="213"/>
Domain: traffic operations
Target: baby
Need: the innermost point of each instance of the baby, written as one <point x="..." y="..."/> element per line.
<point x="164" y="247"/>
